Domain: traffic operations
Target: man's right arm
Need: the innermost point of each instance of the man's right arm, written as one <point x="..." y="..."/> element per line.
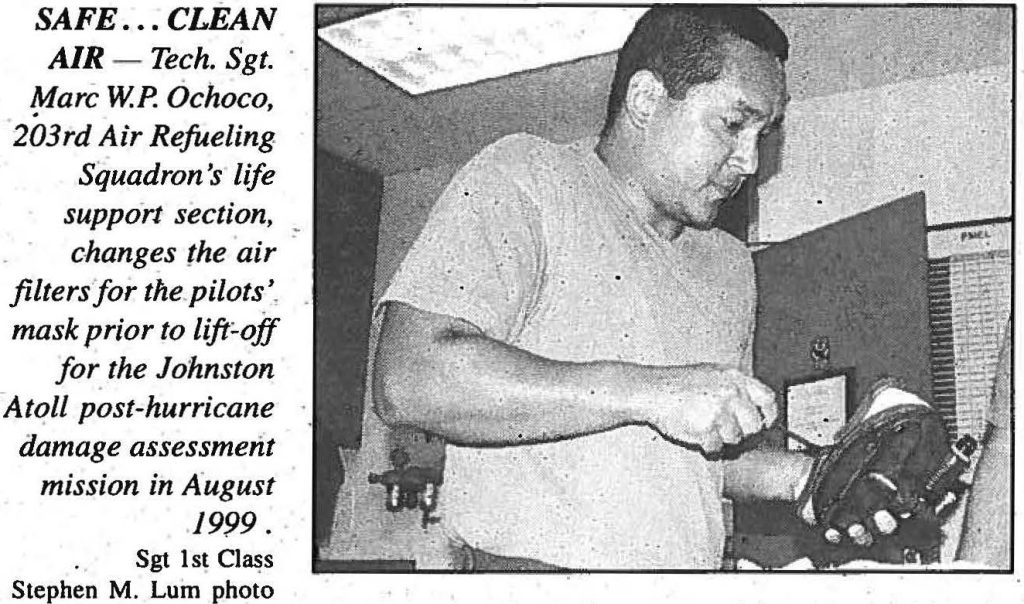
<point x="444" y="375"/>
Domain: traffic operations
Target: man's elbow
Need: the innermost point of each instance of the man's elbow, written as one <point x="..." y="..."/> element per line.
<point x="412" y="357"/>
<point x="392" y="397"/>
<point x="388" y="396"/>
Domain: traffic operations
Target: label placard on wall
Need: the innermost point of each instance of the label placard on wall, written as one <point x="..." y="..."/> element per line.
<point x="815" y="410"/>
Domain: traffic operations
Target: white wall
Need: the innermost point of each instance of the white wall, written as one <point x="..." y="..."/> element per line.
<point x="949" y="136"/>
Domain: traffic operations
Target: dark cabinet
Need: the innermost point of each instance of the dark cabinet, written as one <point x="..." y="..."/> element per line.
<point x="346" y="216"/>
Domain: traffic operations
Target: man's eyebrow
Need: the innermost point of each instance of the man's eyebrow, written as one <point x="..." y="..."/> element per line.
<point x="751" y="111"/>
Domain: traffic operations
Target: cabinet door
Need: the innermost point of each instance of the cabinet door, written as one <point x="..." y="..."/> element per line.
<point x="346" y="216"/>
<point x="862" y="283"/>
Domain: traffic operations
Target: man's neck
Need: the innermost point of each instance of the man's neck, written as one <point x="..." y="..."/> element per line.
<point x="621" y="155"/>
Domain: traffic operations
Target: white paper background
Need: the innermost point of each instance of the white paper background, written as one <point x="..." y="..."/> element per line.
<point x="44" y="539"/>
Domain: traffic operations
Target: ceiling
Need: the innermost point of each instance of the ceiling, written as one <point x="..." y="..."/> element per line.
<point x="366" y="120"/>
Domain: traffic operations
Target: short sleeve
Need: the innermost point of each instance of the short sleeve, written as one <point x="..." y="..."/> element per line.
<point x="480" y="255"/>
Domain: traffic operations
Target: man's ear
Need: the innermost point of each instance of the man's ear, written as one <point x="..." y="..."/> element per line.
<point x="643" y="96"/>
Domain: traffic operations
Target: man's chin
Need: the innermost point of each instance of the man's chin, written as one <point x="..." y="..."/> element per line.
<point x="707" y="219"/>
<point x="700" y="215"/>
<point x="702" y="223"/>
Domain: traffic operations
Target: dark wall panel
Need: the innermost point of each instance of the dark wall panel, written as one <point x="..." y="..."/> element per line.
<point x="346" y="221"/>
<point x="863" y="283"/>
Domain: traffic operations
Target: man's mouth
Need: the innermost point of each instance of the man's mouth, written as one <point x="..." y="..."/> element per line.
<point x="733" y="185"/>
<point x="730" y="189"/>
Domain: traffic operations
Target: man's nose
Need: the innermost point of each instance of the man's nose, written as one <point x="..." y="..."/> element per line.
<point x="745" y="156"/>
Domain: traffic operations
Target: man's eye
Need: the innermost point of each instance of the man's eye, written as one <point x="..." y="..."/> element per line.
<point x="733" y="125"/>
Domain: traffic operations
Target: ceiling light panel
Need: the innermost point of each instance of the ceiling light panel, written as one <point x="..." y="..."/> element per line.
<point x="421" y="49"/>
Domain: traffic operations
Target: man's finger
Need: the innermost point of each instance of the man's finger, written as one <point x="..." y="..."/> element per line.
<point x="712" y="442"/>
<point x="885" y="522"/>
<point x="747" y="415"/>
<point x="729" y="428"/>
<point x="860" y="535"/>
<point x="763" y="398"/>
<point x="833" y="536"/>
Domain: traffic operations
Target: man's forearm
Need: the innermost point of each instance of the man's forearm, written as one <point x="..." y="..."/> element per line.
<point x="442" y="374"/>
<point x="474" y="390"/>
<point x="766" y="474"/>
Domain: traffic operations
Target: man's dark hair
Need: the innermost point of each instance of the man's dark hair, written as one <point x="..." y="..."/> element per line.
<point x="683" y="46"/>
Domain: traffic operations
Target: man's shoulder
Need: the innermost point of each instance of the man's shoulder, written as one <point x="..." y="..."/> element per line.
<point x="523" y="153"/>
<point x="522" y="143"/>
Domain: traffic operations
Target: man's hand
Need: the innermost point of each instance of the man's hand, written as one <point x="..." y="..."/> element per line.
<point x="708" y="406"/>
<point x="891" y="462"/>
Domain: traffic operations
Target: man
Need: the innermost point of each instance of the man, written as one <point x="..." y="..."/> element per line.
<point x="572" y="323"/>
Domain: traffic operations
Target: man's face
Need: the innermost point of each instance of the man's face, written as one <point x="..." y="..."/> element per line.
<point x="699" y="150"/>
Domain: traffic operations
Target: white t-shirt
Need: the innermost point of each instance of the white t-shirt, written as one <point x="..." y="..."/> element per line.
<point x="536" y="244"/>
